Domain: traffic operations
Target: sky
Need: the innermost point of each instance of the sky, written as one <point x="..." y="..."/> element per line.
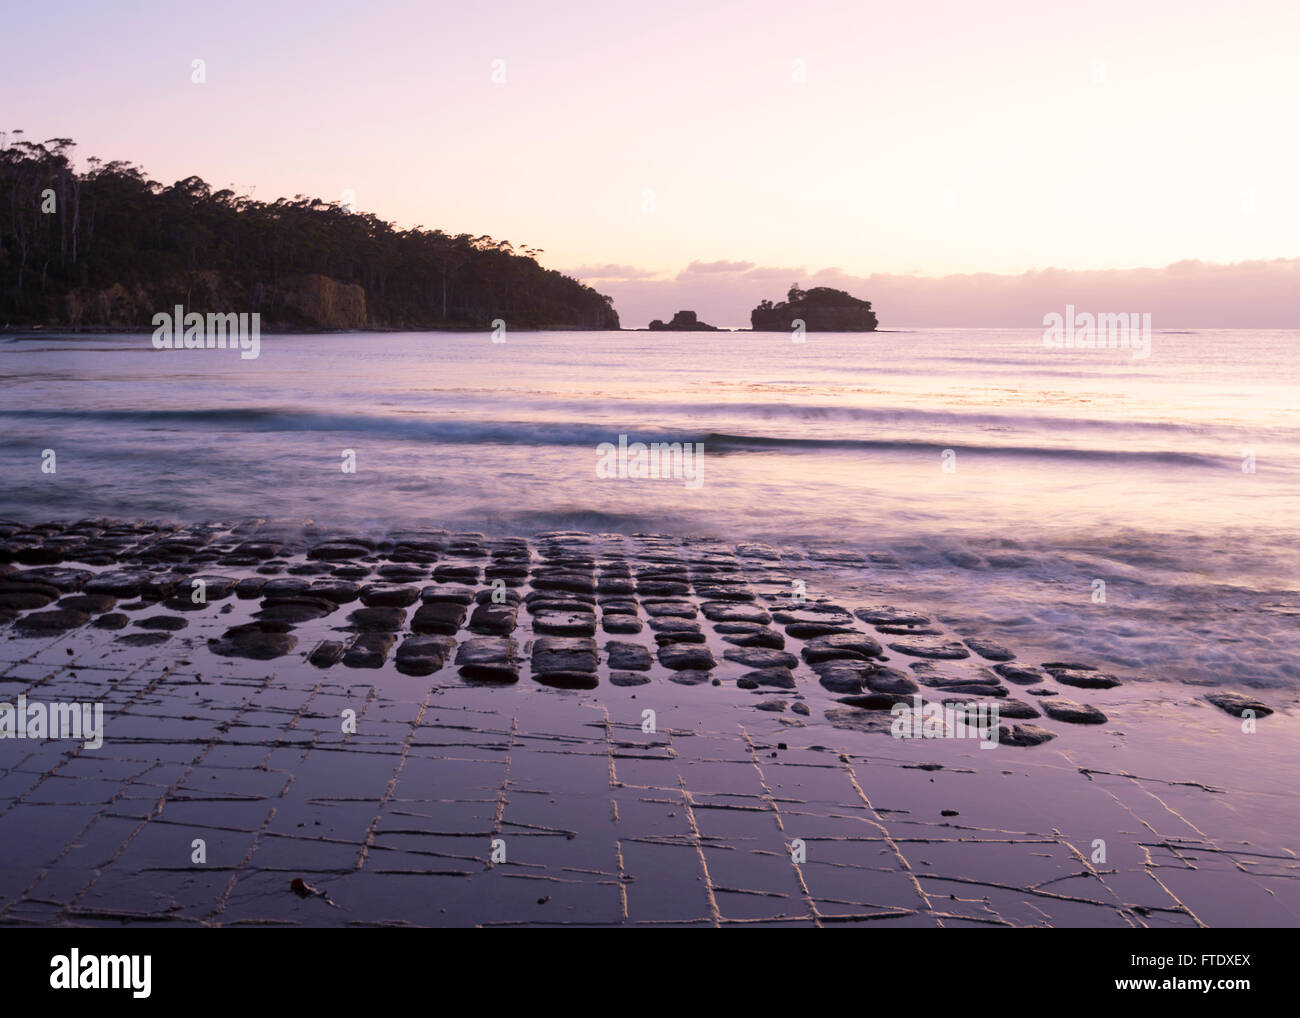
<point x="930" y="139"/>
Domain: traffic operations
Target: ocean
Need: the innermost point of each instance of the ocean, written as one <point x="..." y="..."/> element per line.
<point x="1139" y="511"/>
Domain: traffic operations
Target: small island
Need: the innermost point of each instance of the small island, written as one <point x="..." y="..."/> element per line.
<point x="683" y="321"/>
<point x="821" y="309"/>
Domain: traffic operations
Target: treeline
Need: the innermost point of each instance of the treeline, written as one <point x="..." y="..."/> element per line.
<point x="109" y="243"/>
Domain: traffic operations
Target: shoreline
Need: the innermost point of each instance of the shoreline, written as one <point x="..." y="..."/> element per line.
<point x="521" y="719"/>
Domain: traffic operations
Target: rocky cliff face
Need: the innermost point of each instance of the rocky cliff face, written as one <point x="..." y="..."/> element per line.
<point x="821" y="309"/>
<point x="300" y="302"/>
<point x="326" y="303"/>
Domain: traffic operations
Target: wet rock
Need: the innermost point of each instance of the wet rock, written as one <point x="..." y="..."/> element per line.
<point x="379" y="620"/>
<point x="168" y="623"/>
<point x="255" y="640"/>
<point x="761" y="657"/>
<point x="875" y="701"/>
<point x="858" y="719"/>
<point x="628" y="656"/>
<point x="92" y="604"/>
<point x="564" y="654"/>
<point x="143" y="639"/>
<point x="1074" y="713"/>
<point x="656" y="588"/>
<point x="687" y="657"/>
<point x="975" y="688"/>
<point x="620" y="624"/>
<point x="842" y="675"/>
<point x="119" y="582"/>
<point x="628" y="679"/>
<point x="1236" y="703"/>
<point x="542" y="601"/>
<point x="494" y="619"/>
<point x="568" y="680"/>
<point x="388" y="595"/>
<point x="337" y="550"/>
<point x="774" y="706"/>
<point x="840" y="645"/>
<point x="889" y="616"/>
<point x="690" y="677"/>
<point x="812" y="630"/>
<point x="369" y="650"/>
<point x="799" y="707"/>
<point x="565" y="623"/>
<point x="578" y="583"/>
<point x="719" y="611"/>
<point x="760" y="637"/>
<point x="353" y="571"/>
<point x="423" y="655"/>
<point x="443" y="617"/>
<point x="932" y="649"/>
<point x="327" y="653"/>
<point x="460" y="572"/>
<point x="55" y="621"/>
<point x="114" y="620"/>
<point x="337" y="591"/>
<point x="286" y="586"/>
<point x="815" y="615"/>
<point x="499" y="597"/>
<point x="65" y="580"/>
<point x="1024" y="735"/>
<point x="989" y="650"/>
<point x="1019" y="675"/>
<point x="489" y="658"/>
<point x="724" y="592"/>
<point x="892" y="681"/>
<point x="448" y="594"/>
<point x="1016" y="709"/>
<point x="1083" y="678"/>
<point x="294" y="610"/>
<point x="908" y="630"/>
<point x="669" y="609"/>
<point x="250" y="587"/>
<point x="19" y="596"/>
<point x="778" y="678"/>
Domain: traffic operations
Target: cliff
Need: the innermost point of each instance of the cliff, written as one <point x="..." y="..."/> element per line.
<point x="300" y="302"/>
<point x="821" y="309"/>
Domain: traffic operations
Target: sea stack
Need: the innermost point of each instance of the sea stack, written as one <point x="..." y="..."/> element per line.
<point x="821" y="309"/>
<point x="683" y="321"/>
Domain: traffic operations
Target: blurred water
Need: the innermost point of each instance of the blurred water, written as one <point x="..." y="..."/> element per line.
<point x="1070" y="465"/>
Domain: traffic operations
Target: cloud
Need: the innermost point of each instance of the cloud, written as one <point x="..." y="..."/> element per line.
<point x="714" y="267"/>
<point x="1186" y="294"/>
<point x="591" y="273"/>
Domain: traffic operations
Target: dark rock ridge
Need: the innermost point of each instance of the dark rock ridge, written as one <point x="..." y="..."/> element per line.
<point x="683" y="321"/>
<point x="821" y="309"/>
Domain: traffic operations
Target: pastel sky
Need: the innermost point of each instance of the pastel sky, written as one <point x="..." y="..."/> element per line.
<point x="926" y="138"/>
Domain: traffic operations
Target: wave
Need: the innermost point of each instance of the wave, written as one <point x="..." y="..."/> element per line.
<point x="475" y="432"/>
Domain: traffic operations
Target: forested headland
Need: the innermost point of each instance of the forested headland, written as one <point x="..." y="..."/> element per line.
<point x="107" y="248"/>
